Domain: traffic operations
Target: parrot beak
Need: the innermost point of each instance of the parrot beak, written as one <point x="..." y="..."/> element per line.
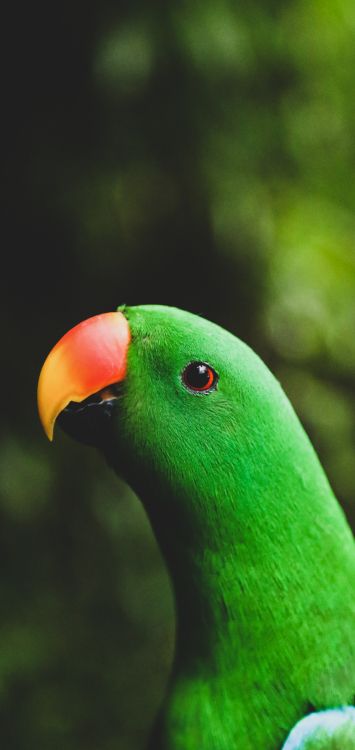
<point x="86" y="360"/>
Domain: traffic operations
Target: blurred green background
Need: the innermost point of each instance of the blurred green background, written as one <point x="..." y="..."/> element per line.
<point x="194" y="154"/>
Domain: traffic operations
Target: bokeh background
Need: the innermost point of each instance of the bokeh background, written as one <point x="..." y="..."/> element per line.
<point x="194" y="154"/>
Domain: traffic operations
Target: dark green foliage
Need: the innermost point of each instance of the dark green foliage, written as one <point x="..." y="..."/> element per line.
<point x="199" y="157"/>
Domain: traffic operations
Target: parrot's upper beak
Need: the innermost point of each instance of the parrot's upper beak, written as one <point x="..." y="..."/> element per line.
<point x="86" y="360"/>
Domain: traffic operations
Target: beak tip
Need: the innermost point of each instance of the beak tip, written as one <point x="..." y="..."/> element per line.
<point x="48" y="428"/>
<point x="49" y="434"/>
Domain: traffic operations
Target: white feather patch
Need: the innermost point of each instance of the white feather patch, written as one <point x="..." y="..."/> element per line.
<point x="328" y="721"/>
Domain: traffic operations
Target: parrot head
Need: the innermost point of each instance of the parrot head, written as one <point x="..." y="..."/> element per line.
<point x="179" y="406"/>
<point x="189" y="416"/>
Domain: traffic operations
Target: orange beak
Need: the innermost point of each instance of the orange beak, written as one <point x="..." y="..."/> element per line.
<point x="90" y="357"/>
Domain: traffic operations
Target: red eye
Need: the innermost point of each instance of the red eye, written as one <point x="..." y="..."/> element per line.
<point x="198" y="376"/>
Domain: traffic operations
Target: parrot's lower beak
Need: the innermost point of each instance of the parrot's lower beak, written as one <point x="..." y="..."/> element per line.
<point x="83" y="369"/>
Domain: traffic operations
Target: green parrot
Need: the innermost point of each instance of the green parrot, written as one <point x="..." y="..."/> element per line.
<point x="260" y="555"/>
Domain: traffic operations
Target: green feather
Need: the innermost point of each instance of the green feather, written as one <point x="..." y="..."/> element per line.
<point x="260" y="555"/>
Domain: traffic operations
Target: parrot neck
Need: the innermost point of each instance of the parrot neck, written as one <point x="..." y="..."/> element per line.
<point x="254" y="556"/>
<point x="207" y="581"/>
<point x="246" y="567"/>
<point x="244" y="647"/>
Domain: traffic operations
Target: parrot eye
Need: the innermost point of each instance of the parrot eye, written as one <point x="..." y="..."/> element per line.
<point x="199" y="377"/>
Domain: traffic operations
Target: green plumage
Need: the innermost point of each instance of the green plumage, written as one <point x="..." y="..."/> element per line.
<point x="261" y="558"/>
